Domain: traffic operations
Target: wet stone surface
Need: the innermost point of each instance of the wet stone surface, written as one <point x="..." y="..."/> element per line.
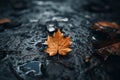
<point x="22" y="55"/>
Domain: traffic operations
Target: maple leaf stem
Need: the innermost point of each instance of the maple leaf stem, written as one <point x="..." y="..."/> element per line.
<point x="58" y="57"/>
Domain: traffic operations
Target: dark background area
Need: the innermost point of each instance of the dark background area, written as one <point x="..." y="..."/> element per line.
<point x="22" y="55"/>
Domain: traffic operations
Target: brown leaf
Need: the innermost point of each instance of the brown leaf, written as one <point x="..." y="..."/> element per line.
<point x="103" y="25"/>
<point x="113" y="49"/>
<point x="4" y="20"/>
<point x="58" y="44"/>
<point x="105" y="34"/>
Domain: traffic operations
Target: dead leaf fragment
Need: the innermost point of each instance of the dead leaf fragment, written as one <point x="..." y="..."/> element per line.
<point x="105" y="33"/>
<point x="58" y="44"/>
<point x="103" y="25"/>
<point x="4" y="20"/>
<point x="87" y="58"/>
<point x="113" y="49"/>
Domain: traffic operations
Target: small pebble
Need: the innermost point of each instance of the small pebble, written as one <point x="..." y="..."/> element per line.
<point x="51" y="25"/>
<point x="61" y="19"/>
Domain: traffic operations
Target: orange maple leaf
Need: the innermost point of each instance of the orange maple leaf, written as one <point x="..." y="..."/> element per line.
<point x="58" y="44"/>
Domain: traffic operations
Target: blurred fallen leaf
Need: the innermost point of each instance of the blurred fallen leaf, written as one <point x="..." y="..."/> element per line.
<point x="101" y="25"/>
<point x="58" y="44"/>
<point x="105" y="34"/>
<point x="106" y="38"/>
<point x="113" y="49"/>
<point x="4" y="20"/>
